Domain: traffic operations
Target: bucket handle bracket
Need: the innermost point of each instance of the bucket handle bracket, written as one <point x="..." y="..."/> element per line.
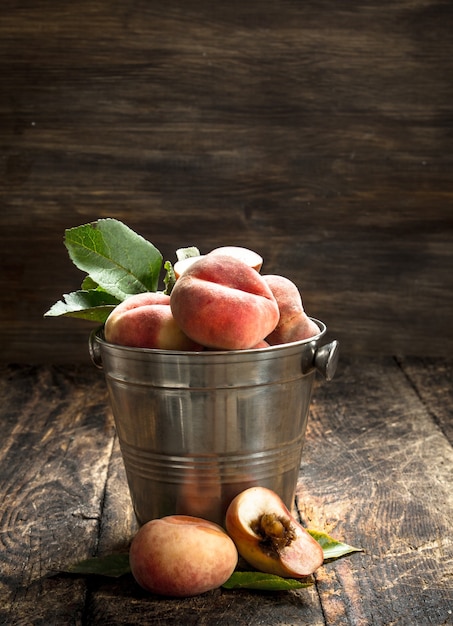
<point x="95" y="349"/>
<point x="326" y="359"/>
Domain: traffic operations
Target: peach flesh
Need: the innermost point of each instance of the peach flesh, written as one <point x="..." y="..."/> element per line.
<point x="222" y="303"/>
<point x="181" y="266"/>
<point x="181" y="556"/>
<point x="251" y="258"/>
<point x="268" y="537"/>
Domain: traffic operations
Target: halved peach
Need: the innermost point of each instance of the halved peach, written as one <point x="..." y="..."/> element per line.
<point x="181" y="266"/>
<point x="268" y="537"/>
<point x="247" y="256"/>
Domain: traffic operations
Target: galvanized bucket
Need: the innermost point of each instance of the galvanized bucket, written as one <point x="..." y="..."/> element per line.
<point x="197" y="428"/>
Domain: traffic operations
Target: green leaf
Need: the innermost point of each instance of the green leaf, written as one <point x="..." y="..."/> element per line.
<point x="94" y="305"/>
<point x="112" y="565"/>
<point x="115" y="257"/>
<point x="332" y="548"/>
<point x="264" y="582"/>
<point x="88" y="284"/>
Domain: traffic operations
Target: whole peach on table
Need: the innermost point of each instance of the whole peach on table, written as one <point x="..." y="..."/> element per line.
<point x="268" y="537"/>
<point x="294" y="324"/>
<point x="181" y="556"/>
<point x="223" y="303"/>
<point x="145" y="320"/>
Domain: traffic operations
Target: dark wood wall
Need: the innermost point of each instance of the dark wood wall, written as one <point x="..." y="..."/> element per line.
<point x="319" y="133"/>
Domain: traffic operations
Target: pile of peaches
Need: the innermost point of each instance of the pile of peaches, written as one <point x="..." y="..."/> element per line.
<point x="182" y="556"/>
<point x="219" y="301"/>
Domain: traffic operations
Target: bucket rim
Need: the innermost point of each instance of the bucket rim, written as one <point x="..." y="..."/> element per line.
<point x="98" y="336"/>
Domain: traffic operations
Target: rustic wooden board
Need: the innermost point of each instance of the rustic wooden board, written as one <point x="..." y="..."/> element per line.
<point x="54" y="457"/>
<point x="318" y="133"/>
<point x="433" y="381"/>
<point x="122" y="603"/>
<point x="376" y="473"/>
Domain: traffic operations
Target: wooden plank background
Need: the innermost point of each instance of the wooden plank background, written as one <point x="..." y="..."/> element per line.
<point x="318" y="133"/>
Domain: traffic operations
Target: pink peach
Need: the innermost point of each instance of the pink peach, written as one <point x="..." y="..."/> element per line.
<point x="261" y="344"/>
<point x="181" y="556"/>
<point x="145" y="320"/>
<point x="223" y="303"/>
<point x="294" y="324"/>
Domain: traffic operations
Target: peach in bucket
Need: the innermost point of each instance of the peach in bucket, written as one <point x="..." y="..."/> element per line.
<point x="221" y="302"/>
<point x="145" y="320"/>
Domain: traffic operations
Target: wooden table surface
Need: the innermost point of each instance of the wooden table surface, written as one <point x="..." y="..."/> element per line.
<point x="376" y="473"/>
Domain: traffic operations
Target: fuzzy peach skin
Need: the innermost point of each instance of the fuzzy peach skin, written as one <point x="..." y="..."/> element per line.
<point x="145" y="320"/>
<point x="294" y="324"/>
<point x="261" y="344"/>
<point x="181" y="556"/>
<point x="223" y="303"/>
<point x="268" y="537"/>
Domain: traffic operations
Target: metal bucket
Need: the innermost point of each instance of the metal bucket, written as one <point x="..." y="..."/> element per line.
<point x="197" y="428"/>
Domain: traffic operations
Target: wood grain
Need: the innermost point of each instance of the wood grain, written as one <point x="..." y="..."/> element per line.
<point x="317" y="133"/>
<point x="376" y="469"/>
<point x="376" y="473"/>
<point x="432" y="380"/>
<point x="54" y="455"/>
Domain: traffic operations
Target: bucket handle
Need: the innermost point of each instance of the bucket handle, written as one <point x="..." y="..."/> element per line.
<point x="326" y="359"/>
<point x="95" y="349"/>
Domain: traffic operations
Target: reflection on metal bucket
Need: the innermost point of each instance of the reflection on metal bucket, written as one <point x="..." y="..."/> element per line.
<point x="195" y="429"/>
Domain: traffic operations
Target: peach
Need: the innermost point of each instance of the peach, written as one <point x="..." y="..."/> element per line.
<point x="181" y="266"/>
<point x="223" y="303"/>
<point x="243" y="254"/>
<point x="181" y="556"/>
<point x="268" y="537"/>
<point x="294" y="324"/>
<point x="261" y="344"/>
<point x="250" y="257"/>
<point x="145" y="320"/>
